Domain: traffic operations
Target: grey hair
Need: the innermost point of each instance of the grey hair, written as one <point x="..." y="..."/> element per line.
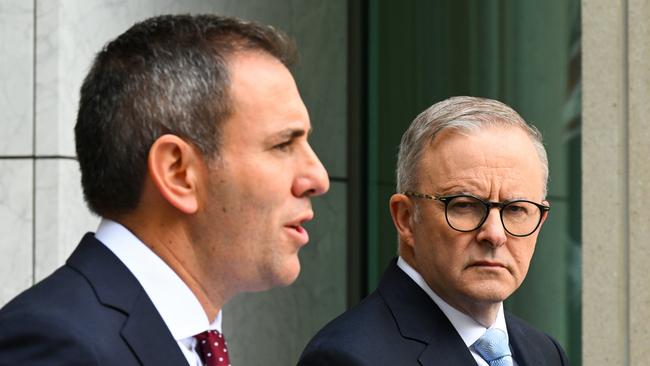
<point x="459" y="113"/>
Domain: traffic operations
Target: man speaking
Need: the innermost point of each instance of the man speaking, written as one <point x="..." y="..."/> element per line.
<point x="192" y="141"/>
<point x="471" y="183"/>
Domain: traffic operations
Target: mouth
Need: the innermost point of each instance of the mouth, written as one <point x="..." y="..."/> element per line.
<point x="296" y="229"/>
<point x="487" y="264"/>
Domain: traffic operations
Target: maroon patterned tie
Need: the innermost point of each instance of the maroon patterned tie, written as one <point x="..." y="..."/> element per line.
<point x="211" y="346"/>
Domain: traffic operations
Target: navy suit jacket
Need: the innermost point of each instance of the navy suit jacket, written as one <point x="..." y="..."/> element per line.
<point x="399" y="324"/>
<point x="91" y="311"/>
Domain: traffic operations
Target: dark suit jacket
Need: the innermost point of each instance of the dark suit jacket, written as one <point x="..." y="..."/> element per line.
<point x="399" y="324"/>
<point x="91" y="311"/>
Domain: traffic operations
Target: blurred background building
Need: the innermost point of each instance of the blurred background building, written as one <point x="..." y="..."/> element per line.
<point x="577" y="70"/>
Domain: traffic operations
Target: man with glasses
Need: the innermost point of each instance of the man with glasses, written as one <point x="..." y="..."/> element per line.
<point x="471" y="177"/>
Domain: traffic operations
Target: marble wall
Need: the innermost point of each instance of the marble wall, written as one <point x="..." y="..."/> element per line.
<point x="46" y="47"/>
<point x="16" y="146"/>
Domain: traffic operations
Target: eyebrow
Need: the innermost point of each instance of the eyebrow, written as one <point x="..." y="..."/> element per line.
<point x="293" y="133"/>
<point x="514" y="197"/>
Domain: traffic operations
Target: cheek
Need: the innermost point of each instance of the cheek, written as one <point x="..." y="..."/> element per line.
<point x="457" y="245"/>
<point x="443" y="250"/>
<point x="522" y="255"/>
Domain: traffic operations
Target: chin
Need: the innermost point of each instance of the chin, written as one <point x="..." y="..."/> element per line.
<point x="287" y="280"/>
<point x="290" y="273"/>
<point x="282" y="274"/>
<point x="490" y="292"/>
<point x="492" y="298"/>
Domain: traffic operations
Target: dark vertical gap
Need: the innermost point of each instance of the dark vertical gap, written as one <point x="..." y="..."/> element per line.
<point x="357" y="251"/>
<point x="34" y="144"/>
<point x="503" y="53"/>
<point x="574" y="129"/>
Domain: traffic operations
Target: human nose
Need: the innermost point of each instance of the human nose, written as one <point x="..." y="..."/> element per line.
<point x="492" y="230"/>
<point x="312" y="179"/>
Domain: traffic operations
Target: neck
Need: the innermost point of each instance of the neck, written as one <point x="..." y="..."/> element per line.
<point x="483" y="312"/>
<point x="485" y="315"/>
<point x="169" y="241"/>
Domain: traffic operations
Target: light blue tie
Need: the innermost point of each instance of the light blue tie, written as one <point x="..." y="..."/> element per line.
<point x="493" y="348"/>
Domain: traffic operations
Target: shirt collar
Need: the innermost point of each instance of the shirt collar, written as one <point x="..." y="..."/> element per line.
<point x="469" y="329"/>
<point x="176" y="303"/>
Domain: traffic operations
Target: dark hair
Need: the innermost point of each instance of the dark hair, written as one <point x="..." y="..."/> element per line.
<point x="167" y="74"/>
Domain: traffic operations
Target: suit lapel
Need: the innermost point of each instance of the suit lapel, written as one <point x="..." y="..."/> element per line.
<point x="419" y="319"/>
<point x="149" y="337"/>
<point x="525" y="352"/>
<point x="446" y="351"/>
<point x="144" y="330"/>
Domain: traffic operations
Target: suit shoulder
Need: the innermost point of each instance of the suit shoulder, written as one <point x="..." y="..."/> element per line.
<point x="54" y="318"/>
<point x="60" y="294"/>
<point x="39" y="326"/>
<point x="354" y="337"/>
<point x="358" y="322"/>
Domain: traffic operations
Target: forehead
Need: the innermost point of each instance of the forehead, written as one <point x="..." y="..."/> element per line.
<point x="263" y="94"/>
<point x="491" y="160"/>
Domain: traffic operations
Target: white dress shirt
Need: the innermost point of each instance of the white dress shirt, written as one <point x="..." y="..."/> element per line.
<point x="176" y="303"/>
<point x="469" y="329"/>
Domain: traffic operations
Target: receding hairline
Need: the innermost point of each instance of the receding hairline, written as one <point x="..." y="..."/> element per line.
<point x="468" y="127"/>
<point x="473" y="130"/>
<point x="476" y="114"/>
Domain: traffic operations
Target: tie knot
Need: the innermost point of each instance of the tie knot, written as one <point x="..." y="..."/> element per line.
<point x="493" y="348"/>
<point x="211" y="346"/>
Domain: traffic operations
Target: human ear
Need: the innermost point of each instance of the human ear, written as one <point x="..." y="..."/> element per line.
<point x="174" y="167"/>
<point x="402" y="211"/>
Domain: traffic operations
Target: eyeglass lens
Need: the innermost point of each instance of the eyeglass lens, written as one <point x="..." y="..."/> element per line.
<point x="467" y="213"/>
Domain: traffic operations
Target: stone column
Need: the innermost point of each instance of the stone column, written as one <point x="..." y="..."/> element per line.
<point x="616" y="182"/>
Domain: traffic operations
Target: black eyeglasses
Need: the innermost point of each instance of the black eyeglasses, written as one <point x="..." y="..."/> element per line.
<point x="465" y="212"/>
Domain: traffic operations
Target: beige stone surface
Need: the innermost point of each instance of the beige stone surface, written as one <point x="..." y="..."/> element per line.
<point x="604" y="188"/>
<point x="639" y="179"/>
<point x="616" y="182"/>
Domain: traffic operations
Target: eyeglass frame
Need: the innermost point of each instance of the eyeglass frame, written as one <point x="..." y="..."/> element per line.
<point x="489" y="205"/>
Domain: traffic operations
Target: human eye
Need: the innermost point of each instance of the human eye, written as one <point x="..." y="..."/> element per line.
<point x="518" y="209"/>
<point x="284" y="146"/>
<point x="286" y="140"/>
<point x="464" y="205"/>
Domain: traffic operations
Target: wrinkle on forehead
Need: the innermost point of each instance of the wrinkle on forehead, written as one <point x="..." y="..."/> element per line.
<point x="496" y="163"/>
<point x="500" y="184"/>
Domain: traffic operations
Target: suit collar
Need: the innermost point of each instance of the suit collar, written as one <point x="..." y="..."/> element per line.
<point x="115" y="287"/>
<point x="419" y="319"/>
<point x="176" y="303"/>
<point x="467" y="327"/>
